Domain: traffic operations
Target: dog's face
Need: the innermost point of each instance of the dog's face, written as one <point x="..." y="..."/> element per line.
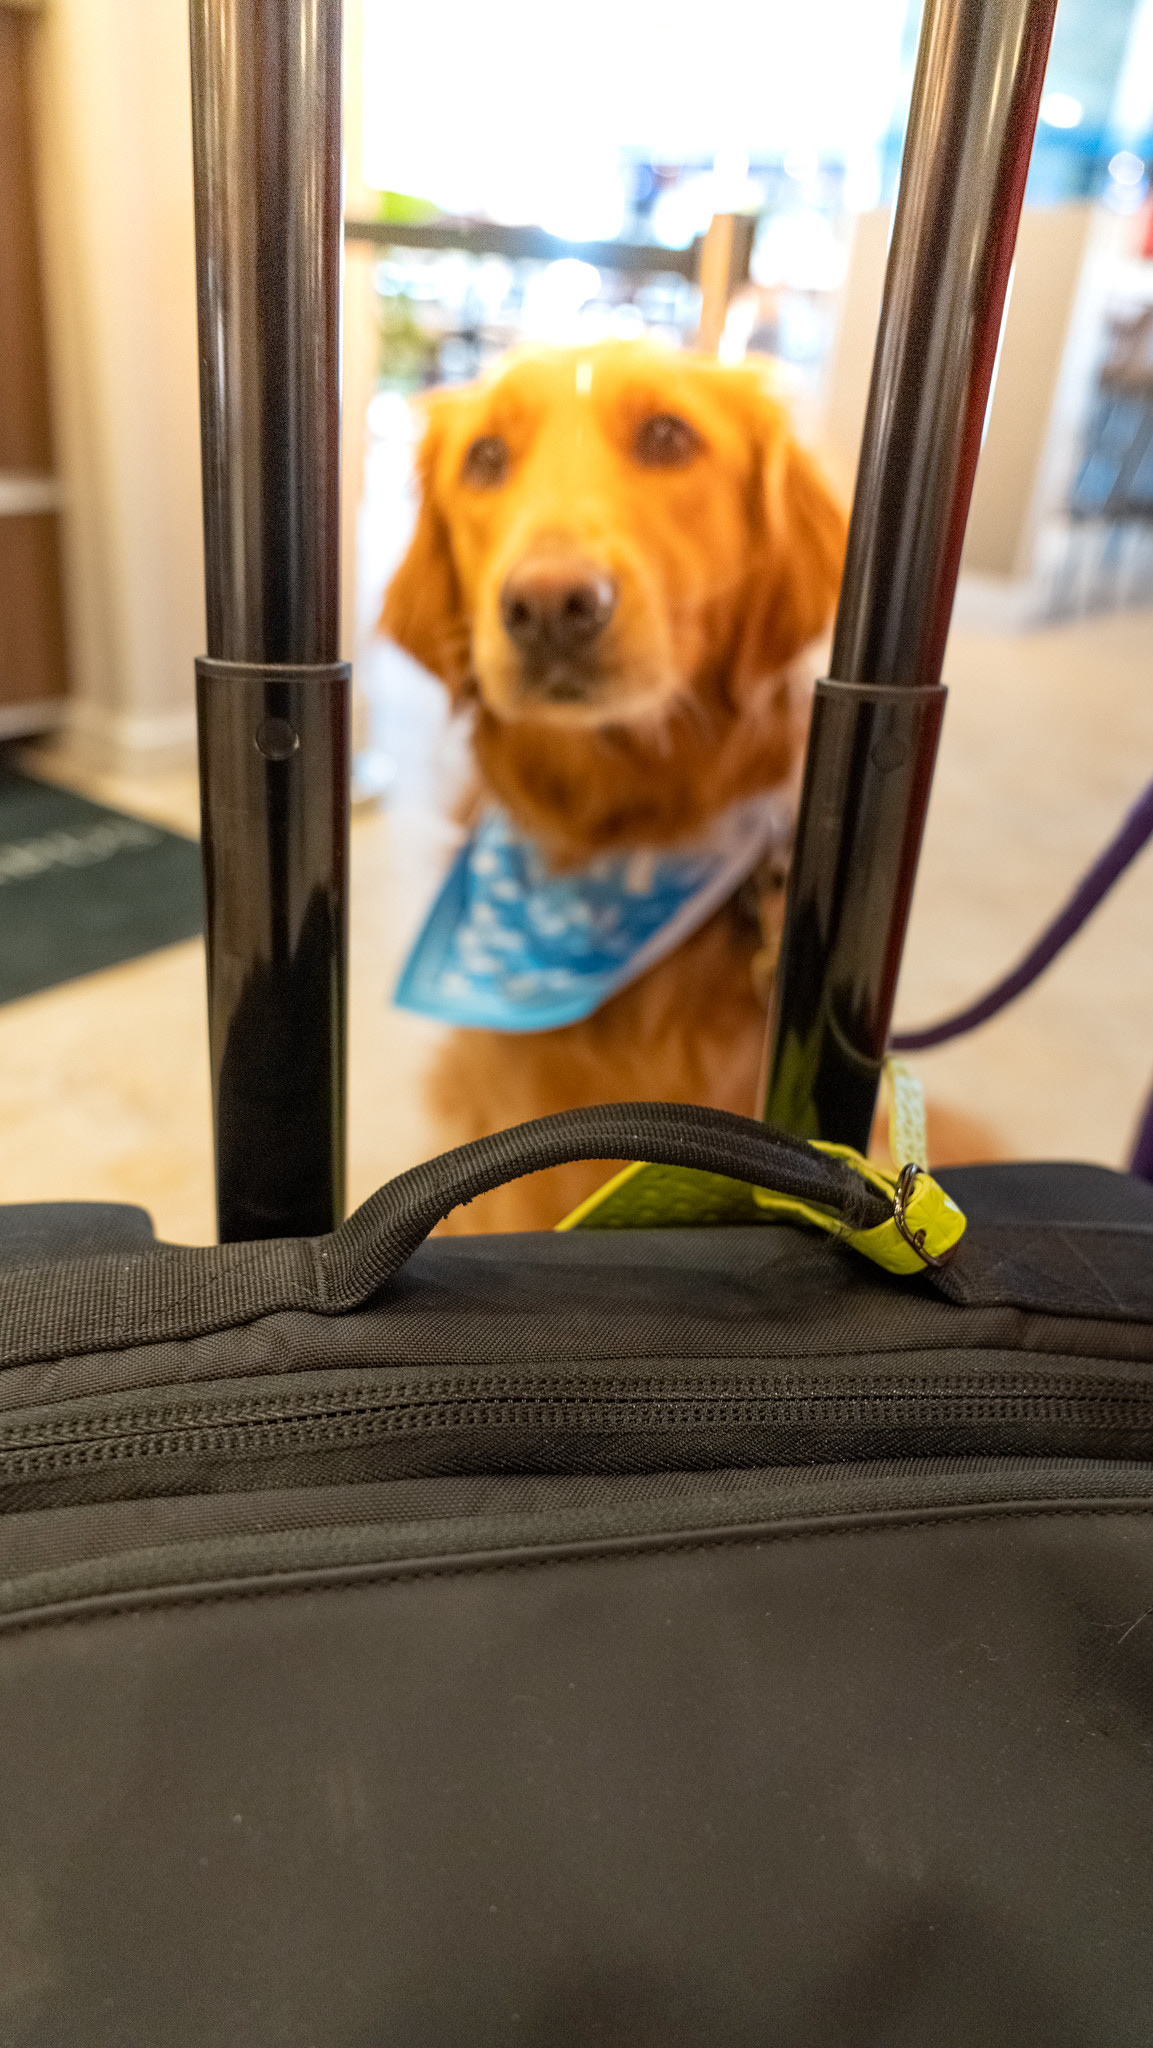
<point x="605" y="531"/>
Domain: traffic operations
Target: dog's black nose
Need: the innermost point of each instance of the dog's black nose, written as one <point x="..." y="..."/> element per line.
<point x="555" y="604"/>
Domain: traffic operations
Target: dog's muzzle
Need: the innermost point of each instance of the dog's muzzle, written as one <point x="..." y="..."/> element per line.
<point x="554" y="606"/>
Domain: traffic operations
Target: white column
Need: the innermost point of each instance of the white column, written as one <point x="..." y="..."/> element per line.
<point x="114" y="143"/>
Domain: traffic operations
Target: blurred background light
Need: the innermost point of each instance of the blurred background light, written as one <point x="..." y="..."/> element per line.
<point x="1061" y="110"/>
<point x="801" y="163"/>
<point x="800" y="250"/>
<point x="1125" y="168"/>
<point x="556" y="295"/>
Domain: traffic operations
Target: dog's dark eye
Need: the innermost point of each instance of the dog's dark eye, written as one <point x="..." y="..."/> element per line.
<point x="486" y="463"/>
<point x="665" y="440"/>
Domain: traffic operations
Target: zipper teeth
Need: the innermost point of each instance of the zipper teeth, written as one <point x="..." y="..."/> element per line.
<point x="254" y="1427"/>
<point x="503" y="1392"/>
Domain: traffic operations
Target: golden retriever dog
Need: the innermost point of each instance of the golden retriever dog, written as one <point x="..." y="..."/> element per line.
<point x="620" y="555"/>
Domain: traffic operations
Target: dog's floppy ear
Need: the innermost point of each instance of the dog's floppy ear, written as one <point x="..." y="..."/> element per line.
<point x="422" y="607"/>
<point x="799" y="531"/>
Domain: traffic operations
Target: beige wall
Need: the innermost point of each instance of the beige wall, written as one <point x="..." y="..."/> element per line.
<point x="1007" y="496"/>
<point x="1040" y="388"/>
<point x="851" y="361"/>
<point x="118" y="232"/>
<point x="117" y="227"/>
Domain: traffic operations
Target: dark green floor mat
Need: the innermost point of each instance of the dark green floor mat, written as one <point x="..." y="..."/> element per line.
<point x="82" y="887"/>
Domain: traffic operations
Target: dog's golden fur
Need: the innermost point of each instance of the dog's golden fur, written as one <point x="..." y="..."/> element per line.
<point x="726" y="565"/>
<point x="717" y="546"/>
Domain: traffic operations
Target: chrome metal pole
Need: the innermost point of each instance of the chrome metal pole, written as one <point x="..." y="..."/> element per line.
<point x="272" y="694"/>
<point x="876" y="722"/>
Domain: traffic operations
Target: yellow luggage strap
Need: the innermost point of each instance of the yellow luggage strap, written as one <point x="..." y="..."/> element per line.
<point x="924" y="1229"/>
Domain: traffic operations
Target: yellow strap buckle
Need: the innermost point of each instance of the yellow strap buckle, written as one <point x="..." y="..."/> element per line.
<point x="923" y="1231"/>
<point x="918" y="1238"/>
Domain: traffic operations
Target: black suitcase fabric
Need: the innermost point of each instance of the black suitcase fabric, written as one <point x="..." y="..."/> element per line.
<point x="687" y="1636"/>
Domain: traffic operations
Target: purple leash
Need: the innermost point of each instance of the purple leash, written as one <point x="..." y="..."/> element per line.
<point x="1112" y="862"/>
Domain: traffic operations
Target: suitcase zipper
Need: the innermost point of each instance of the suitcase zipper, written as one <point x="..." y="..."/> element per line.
<point x="114" y="1445"/>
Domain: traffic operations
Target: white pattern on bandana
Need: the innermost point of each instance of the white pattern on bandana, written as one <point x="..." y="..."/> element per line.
<point x="510" y="946"/>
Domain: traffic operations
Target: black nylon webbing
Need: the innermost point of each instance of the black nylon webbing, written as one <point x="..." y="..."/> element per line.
<point x="169" y="1292"/>
<point x="172" y="1291"/>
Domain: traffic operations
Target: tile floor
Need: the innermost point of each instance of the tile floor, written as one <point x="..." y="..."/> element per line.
<point x="1048" y="738"/>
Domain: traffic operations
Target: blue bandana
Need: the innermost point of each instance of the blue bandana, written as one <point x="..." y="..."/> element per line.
<point x="510" y="946"/>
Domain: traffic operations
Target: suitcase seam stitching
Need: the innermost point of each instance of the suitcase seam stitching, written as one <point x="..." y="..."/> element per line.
<point x="386" y="1573"/>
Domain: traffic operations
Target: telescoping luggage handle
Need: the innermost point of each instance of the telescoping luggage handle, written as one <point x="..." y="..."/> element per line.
<point x="877" y="720"/>
<point x="272" y="694"/>
<point x="273" y="697"/>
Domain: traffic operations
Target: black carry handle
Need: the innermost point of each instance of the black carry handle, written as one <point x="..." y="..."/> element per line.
<point x="388" y="1227"/>
<point x="175" y="1292"/>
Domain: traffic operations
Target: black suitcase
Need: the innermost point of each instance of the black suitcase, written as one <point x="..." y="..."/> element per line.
<point x="668" y="1636"/>
<point x="620" y="1636"/>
